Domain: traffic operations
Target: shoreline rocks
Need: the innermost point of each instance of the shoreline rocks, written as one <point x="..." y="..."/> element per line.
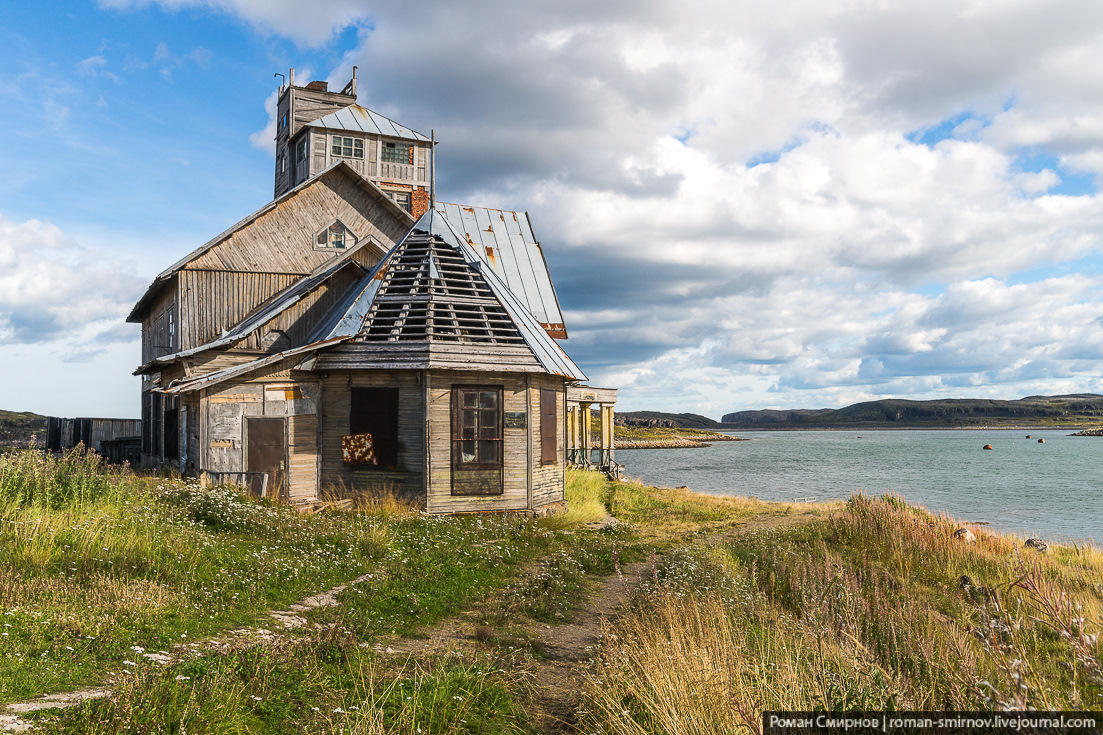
<point x="1089" y="432"/>
<point x="675" y="443"/>
<point x="964" y="534"/>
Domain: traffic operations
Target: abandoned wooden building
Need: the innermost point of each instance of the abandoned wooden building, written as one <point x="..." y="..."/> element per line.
<point x="356" y="334"/>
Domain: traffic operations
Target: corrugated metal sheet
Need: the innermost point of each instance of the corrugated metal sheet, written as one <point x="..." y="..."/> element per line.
<point x="505" y="241"/>
<point x="362" y="120"/>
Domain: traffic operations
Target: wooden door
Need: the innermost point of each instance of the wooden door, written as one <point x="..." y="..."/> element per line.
<point x="267" y="448"/>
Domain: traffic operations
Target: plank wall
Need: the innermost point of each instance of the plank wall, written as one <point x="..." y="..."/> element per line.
<point x="521" y="446"/>
<point x="336" y="406"/>
<point x="281" y="240"/>
<point x="223" y="437"/>
<point x="548" y="480"/>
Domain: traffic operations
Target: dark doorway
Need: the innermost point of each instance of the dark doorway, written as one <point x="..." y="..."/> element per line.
<point x="266" y="454"/>
<point x="172" y="433"/>
<point x="375" y="412"/>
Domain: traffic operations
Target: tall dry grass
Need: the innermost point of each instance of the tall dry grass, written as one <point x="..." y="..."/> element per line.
<point x="879" y="607"/>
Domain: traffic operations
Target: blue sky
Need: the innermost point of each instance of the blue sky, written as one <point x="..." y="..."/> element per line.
<point x="800" y="205"/>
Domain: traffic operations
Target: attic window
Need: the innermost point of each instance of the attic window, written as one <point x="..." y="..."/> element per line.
<point x="398" y="153"/>
<point x="348" y="147"/>
<point x="335" y="237"/>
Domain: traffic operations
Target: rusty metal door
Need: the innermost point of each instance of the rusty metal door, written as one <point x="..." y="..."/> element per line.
<point x="267" y="445"/>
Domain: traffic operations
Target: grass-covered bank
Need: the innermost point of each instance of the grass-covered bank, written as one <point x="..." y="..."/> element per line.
<point x="876" y="607"/>
<point x="749" y="605"/>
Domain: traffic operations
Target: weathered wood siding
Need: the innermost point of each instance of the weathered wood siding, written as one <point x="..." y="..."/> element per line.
<point x="336" y="405"/>
<point x="295" y="325"/>
<point x="217" y="300"/>
<point x="548" y="480"/>
<point x="223" y="440"/>
<point x="515" y="448"/>
<point x="310" y="105"/>
<point x="158" y="337"/>
<point x="281" y="240"/>
<point x="220" y="287"/>
<point x="437" y="355"/>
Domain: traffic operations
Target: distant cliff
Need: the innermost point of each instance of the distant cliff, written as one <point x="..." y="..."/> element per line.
<point x="1077" y="409"/>
<point x="659" y="420"/>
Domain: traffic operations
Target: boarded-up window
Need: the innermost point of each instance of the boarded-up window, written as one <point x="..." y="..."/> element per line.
<point x="477" y="452"/>
<point x="375" y="412"/>
<point x="547" y="426"/>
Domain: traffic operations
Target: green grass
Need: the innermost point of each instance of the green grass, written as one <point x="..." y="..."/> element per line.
<point x="98" y="564"/>
<point x="860" y="607"/>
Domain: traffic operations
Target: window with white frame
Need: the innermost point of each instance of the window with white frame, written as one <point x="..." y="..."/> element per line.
<point x="347" y="146"/>
<point x="335" y="237"/>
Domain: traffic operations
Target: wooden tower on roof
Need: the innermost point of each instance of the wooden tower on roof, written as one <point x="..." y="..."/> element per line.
<point x="316" y="128"/>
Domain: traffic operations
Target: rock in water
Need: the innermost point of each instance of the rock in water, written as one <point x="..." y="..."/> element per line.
<point x="1041" y="441"/>
<point x="1028" y="436"/>
<point x="964" y="534"/>
<point x="1041" y="546"/>
<point x="987" y="446"/>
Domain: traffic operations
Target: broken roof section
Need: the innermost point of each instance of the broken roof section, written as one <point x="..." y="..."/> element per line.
<point x="359" y="119"/>
<point x="432" y="287"/>
<point x="505" y="241"/>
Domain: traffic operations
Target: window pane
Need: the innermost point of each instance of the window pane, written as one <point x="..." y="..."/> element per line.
<point x="489" y="399"/>
<point x="488" y="419"/>
<point x="359" y="148"/>
<point x="336" y="146"/>
<point x="470" y="399"/>
<point x="488" y="451"/>
<point x="467" y="451"/>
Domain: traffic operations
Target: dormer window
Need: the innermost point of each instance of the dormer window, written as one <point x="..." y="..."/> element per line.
<point x="398" y="153"/>
<point x="348" y="147"/>
<point x="335" y="237"/>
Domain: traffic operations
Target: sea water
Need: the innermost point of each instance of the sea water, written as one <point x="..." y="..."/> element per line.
<point x="1052" y="491"/>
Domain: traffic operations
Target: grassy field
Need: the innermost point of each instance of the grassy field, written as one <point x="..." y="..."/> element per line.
<point x="855" y="606"/>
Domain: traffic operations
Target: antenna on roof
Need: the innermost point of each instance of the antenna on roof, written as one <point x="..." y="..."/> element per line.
<point x="432" y="170"/>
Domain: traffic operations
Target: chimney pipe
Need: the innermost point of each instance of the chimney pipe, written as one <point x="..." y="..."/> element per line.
<point x="291" y="78"/>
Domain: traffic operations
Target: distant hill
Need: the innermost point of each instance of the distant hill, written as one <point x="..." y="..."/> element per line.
<point x="1068" y="410"/>
<point x="16" y="429"/>
<point x="665" y="420"/>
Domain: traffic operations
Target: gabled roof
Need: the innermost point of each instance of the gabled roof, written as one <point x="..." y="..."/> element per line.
<point x="505" y="241"/>
<point x="362" y="120"/>
<point x="164" y="276"/>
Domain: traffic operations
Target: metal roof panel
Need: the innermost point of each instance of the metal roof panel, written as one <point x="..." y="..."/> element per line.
<point x="517" y="257"/>
<point x="359" y="119"/>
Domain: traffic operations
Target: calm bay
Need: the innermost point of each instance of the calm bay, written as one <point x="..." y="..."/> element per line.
<point x="1051" y="490"/>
